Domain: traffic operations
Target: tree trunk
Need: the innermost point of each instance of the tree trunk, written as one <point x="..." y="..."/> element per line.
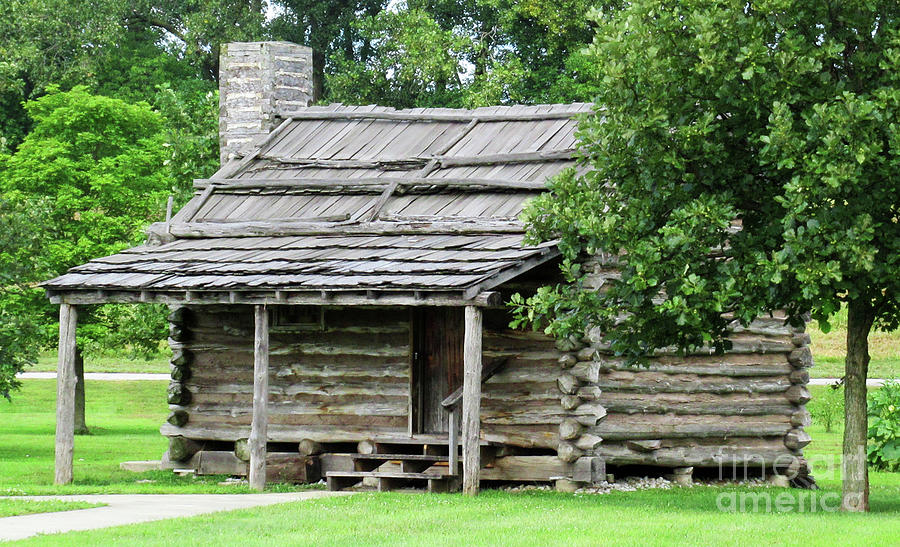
<point x="856" y="474"/>
<point x="80" y="423"/>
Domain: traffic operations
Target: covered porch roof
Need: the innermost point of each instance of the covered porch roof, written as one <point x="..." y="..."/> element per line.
<point x="353" y="206"/>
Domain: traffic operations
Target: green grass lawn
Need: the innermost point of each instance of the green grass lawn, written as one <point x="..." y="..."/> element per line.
<point x="15" y="507"/>
<point x="830" y="348"/>
<point x="107" y="363"/>
<point x="125" y="417"/>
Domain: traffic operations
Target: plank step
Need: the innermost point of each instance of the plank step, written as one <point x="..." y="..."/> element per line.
<point x="402" y="457"/>
<point x="386" y="475"/>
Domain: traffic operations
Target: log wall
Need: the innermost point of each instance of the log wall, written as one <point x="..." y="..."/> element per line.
<point x="348" y="378"/>
<point x="342" y="379"/>
<point x="744" y="408"/>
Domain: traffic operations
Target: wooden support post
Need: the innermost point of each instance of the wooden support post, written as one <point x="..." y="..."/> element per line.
<point x="65" y="394"/>
<point x="453" y="445"/>
<point x="471" y="403"/>
<point x="260" y="422"/>
<point x="81" y="427"/>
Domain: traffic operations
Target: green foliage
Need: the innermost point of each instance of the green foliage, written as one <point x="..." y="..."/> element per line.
<point x="415" y="63"/>
<point x="828" y="408"/>
<point x="82" y="184"/>
<point x="464" y="53"/>
<point x="884" y="427"/>
<point x="780" y="120"/>
<point x="20" y="301"/>
<point x="133" y="330"/>
<point x="98" y="164"/>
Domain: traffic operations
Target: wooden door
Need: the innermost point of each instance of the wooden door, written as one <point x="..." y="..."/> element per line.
<point x="438" y="364"/>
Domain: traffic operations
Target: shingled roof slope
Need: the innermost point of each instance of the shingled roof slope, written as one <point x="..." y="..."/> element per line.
<point x="343" y="198"/>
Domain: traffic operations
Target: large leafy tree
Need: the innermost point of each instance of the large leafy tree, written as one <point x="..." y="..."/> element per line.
<point x="82" y="184"/>
<point x="744" y="157"/>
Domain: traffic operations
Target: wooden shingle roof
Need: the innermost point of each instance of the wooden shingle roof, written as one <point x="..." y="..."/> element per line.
<point x="342" y="199"/>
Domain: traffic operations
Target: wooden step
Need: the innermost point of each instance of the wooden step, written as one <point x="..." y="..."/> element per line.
<point x="387" y="480"/>
<point x="401" y="457"/>
<point x="409" y="463"/>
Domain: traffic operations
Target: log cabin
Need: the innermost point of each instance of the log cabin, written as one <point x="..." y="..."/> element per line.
<point x="337" y="296"/>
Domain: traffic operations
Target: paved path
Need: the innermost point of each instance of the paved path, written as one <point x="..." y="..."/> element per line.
<point x="871" y="382"/>
<point x="135" y="508"/>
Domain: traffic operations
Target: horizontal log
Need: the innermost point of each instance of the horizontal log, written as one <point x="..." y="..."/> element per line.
<point x="526" y="468"/>
<point x="801" y="418"/>
<point x="262" y="228"/>
<point x="742" y="343"/>
<point x="528" y="436"/>
<point x="351" y="297"/>
<point x="180" y="374"/>
<point x="182" y="357"/>
<point x="178" y="394"/>
<point x="798" y="395"/>
<point x="462" y="116"/>
<point x="799" y="376"/>
<point x="586" y="371"/>
<point x="728" y="404"/>
<point x="801" y="357"/>
<point x="309" y="447"/>
<point x="727" y="458"/>
<point x="660" y="426"/>
<point x="239" y="417"/>
<point x="797" y="439"/>
<point x="287" y="434"/>
<point x="651" y="382"/>
<point x="568" y="452"/>
<point x="313" y="389"/>
<point x="178" y="417"/>
<point x="182" y="448"/>
<point x="570" y="402"/>
<point x="641" y="445"/>
<point x="568" y="384"/>
<point x="242" y="450"/>
<point x="350" y="405"/>
<point x="372" y="185"/>
<point x="570" y="429"/>
<point x="590" y="393"/>
<point x="587" y="442"/>
<point x="706" y="367"/>
<point x="589" y="413"/>
<point x="220" y="462"/>
<point x="179" y="316"/>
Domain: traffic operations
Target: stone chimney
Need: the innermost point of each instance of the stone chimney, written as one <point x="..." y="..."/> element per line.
<point x="259" y="82"/>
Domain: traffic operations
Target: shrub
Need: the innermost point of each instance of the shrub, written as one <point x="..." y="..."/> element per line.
<point x="828" y="409"/>
<point x="884" y="427"/>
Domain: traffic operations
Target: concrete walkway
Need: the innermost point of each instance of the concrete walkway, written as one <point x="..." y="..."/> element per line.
<point x="871" y="382"/>
<point x="134" y="508"/>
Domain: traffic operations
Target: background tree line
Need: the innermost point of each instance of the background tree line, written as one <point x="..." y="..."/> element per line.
<point x="108" y="107"/>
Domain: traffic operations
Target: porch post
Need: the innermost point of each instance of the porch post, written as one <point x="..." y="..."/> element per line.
<point x="471" y="401"/>
<point x="259" y="425"/>
<point x="65" y="394"/>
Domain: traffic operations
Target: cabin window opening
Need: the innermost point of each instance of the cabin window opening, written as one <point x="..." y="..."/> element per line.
<point x="297" y="318"/>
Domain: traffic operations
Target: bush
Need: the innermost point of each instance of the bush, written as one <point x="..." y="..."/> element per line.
<point x="884" y="427"/>
<point x="828" y="409"/>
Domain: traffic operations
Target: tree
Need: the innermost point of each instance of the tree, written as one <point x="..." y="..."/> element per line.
<point x="743" y="158"/>
<point x="20" y="319"/>
<point x="82" y="184"/>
